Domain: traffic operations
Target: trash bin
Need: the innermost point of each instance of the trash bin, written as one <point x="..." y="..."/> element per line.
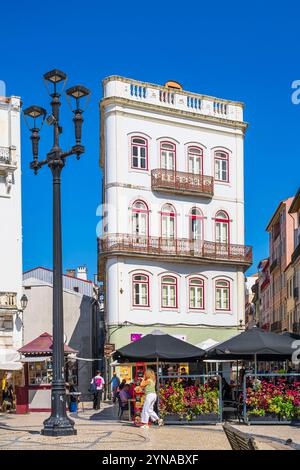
<point x="73" y="406"/>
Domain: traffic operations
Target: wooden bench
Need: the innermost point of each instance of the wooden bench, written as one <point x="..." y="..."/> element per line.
<point x="239" y="440"/>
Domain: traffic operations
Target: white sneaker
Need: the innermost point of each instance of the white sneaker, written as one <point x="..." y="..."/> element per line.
<point x="160" y="422"/>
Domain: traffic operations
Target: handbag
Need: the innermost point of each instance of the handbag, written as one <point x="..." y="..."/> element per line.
<point x="93" y="388"/>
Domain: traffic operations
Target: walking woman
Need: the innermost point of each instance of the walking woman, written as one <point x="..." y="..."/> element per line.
<point x="148" y="384"/>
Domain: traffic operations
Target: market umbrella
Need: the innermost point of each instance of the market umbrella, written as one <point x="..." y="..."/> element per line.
<point x="158" y="346"/>
<point x="255" y="342"/>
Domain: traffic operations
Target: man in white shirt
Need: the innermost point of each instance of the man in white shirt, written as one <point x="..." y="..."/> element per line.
<point x="99" y="382"/>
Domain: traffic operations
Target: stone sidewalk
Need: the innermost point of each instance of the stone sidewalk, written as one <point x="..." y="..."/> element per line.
<point x="102" y="431"/>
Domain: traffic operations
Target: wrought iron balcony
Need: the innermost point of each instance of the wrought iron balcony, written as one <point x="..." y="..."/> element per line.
<point x="276" y="326"/>
<point x="7" y="157"/>
<point x="180" y="182"/>
<point x="8" y="300"/>
<point x="175" y="250"/>
<point x="296" y="253"/>
<point x="274" y="265"/>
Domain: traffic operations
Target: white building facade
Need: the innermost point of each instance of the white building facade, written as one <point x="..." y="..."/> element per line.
<point x="172" y="251"/>
<point x="11" y="225"/>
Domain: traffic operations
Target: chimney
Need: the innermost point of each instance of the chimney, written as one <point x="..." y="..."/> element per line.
<point x="82" y="273"/>
<point x="71" y="272"/>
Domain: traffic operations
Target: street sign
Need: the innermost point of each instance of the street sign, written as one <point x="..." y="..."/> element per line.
<point x="108" y="349"/>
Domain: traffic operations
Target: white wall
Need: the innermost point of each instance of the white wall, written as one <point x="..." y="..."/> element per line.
<point x="119" y="305"/>
<point x="124" y="116"/>
<point x="10" y="213"/>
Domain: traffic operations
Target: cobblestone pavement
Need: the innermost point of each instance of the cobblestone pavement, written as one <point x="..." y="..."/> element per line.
<point x="102" y="431"/>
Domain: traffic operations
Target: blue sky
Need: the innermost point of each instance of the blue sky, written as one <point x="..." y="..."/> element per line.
<point x="240" y="51"/>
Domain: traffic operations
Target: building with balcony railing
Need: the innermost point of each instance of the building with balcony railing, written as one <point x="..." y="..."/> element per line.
<point x="11" y="228"/>
<point x="281" y="234"/>
<point x="171" y="253"/>
<point x="295" y="212"/>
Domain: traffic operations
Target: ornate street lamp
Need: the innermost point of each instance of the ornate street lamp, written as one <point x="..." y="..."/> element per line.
<point x="58" y="424"/>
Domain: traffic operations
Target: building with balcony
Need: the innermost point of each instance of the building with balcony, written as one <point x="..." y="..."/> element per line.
<point x="171" y="254"/>
<point x="11" y="226"/>
<point x="295" y="262"/>
<point x="264" y="294"/>
<point x="251" y="301"/>
<point x="281" y="245"/>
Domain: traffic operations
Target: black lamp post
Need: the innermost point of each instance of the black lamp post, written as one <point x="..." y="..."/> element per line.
<point x="58" y="424"/>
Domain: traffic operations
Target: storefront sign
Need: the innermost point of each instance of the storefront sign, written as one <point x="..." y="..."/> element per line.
<point x="109" y="348"/>
<point x="135" y="336"/>
<point x="125" y="373"/>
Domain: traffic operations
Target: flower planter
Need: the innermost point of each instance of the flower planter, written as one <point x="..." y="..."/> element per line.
<point x="203" y="418"/>
<point x="266" y="418"/>
<point x="208" y="417"/>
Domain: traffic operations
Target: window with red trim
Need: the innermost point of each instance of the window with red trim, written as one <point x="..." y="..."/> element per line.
<point x="196" y="293"/>
<point x="222" y="228"/>
<point x="140" y="285"/>
<point x="221" y="166"/>
<point x="169" y="292"/>
<point x="168" y="221"/>
<point x="168" y="156"/>
<point x="222" y="294"/>
<point x="196" y="224"/>
<point x="140" y="218"/>
<point x="195" y="160"/>
<point x="139" y="153"/>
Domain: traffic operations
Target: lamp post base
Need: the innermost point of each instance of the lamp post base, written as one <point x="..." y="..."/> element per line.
<point x="55" y="427"/>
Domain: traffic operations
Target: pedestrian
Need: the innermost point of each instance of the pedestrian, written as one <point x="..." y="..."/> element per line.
<point x="148" y="384"/>
<point x="115" y="382"/>
<point x="98" y="384"/>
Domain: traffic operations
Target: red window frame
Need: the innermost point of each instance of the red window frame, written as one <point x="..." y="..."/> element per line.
<point x="140" y="282"/>
<point x="169" y="284"/>
<point x="193" y="216"/>
<point x="226" y="158"/>
<point x="145" y="211"/>
<point x="219" y="219"/>
<point x="171" y="214"/>
<point x="203" y="293"/>
<point x="175" y="153"/>
<point x="229" y="295"/>
<point x="189" y="153"/>
<point x="139" y="145"/>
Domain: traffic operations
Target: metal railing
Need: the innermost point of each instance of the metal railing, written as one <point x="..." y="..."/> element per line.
<point x="179" y="181"/>
<point x="179" y="247"/>
<point x="269" y="419"/>
<point x="199" y="379"/>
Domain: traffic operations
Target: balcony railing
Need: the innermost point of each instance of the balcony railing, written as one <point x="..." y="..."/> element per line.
<point x="181" y="182"/>
<point x="8" y="300"/>
<point x="296" y="253"/>
<point x="178" y="249"/>
<point x="274" y="264"/>
<point x="7" y="157"/>
<point x="276" y="326"/>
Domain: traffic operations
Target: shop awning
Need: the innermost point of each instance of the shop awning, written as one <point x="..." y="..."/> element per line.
<point x="263" y="344"/>
<point x="35" y="358"/>
<point x="42" y="345"/>
<point x="10" y="360"/>
<point x="158" y="346"/>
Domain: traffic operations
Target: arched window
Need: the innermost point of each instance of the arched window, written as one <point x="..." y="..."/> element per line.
<point x="140" y="287"/>
<point x="140" y="219"/>
<point x="195" y="160"/>
<point x="139" y="153"/>
<point x="169" y="292"/>
<point x="196" y="224"/>
<point x="222" y="228"/>
<point x="221" y="166"/>
<point x="196" y="293"/>
<point x="222" y="294"/>
<point x="168" y="156"/>
<point x="168" y="221"/>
